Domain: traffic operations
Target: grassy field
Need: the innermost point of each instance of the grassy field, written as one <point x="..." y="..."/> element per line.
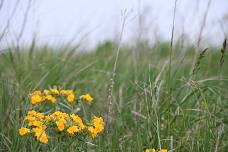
<point x="149" y="103"/>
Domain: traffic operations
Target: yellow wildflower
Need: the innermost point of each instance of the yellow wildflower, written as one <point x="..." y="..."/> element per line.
<point x="163" y="150"/>
<point x="70" y="98"/>
<point x="92" y="131"/>
<point x="73" y="129"/>
<point x="66" y="92"/>
<point x="43" y="138"/>
<point x="50" y="98"/>
<point x="55" y="91"/>
<point x="37" y="124"/>
<point x="47" y="118"/>
<point x="98" y="123"/>
<point x="40" y="135"/>
<point x="87" y="98"/>
<point x="98" y="126"/>
<point x="61" y="124"/>
<point x="57" y="113"/>
<point x="46" y="92"/>
<point x="150" y="150"/>
<point x="32" y="113"/>
<point x="30" y="119"/>
<point x="36" y="99"/>
<point x="63" y="92"/>
<point x="69" y="92"/>
<point x="78" y="120"/>
<point x="23" y="131"/>
<point x="39" y="115"/>
<point x="37" y="92"/>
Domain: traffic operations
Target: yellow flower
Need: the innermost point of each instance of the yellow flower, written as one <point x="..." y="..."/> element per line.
<point x="87" y="98"/>
<point x="30" y="119"/>
<point x="55" y="91"/>
<point x="73" y="129"/>
<point x="70" y="98"/>
<point x="40" y="134"/>
<point x="43" y="138"/>
<point x="66" y="92"/>
<point x="98" y="123"/>
<point x="98" y="126"/>
<point x="37" y="92"/>
<point x="37" y="124"/>
<point x="61" y="124"/>
<point x="92" y="131"/>
<point x="78" y="120"/>
<point x="47" y="118"/>
<point x="57" y="113"/>
<point x="23" y="131"/>
<point x="46" y="92"/>
<point x="36" y="99"/>
<point x="37" y="131"/>
<point x="39" y="115"/>
<point x="163" y="150"/>
<point x="32" y="113"/>
<point x="63" y="92"/>
<point x="69" y="92"/>
<point x="50" y="98"/>
<point x="150" y="150"/>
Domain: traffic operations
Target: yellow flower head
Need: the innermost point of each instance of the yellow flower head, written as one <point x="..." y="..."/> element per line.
<point x="61" y="124"/>
<point x="78" y="121"/>
<point x="47" y="118"/>
<point x="150" y="150"/>
<point x="98" y="123"/>
<point x="163" y="150"/>
<point x="92" y="131"/>
<point x="46" y="92"/>
<point x="66" y="92"/>
<point x="39" y="115"/>
<point x="70" y="98"/>
<point x="38" y="124"/>
<point x="43" y="138"/>
<point x="98" y="126"/>
<point x="32" y="113"/>
<point x="40" y="134"/>
<point x="23" y="131"/>
<point x="73" y="129"/>
<point x="30" y="119"/>
<point x="55" y="91"/>
<point x="35" y="99"/>
<point x="50" y="98"/>
<point x="37" y="92"/>
<point x="87" y="98"/>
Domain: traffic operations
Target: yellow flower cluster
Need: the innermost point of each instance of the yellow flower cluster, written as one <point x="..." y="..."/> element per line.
<point x="51" y="96"/>
<point x="71" y="123"/>
<point x="153" y="150"/>
<point x="97" y="126"/>
<point x="36" y="121"/>
<point x="39" y="124"/>
<point x="87" y="98"/>
<point x="23" y="131"/>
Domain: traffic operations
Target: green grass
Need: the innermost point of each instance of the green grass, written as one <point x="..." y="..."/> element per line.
<point x="145" y="113"/>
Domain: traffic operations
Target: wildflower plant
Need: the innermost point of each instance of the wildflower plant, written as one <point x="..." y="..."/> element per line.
<point x="153" y="150"/>
<point x="54" y="116"/>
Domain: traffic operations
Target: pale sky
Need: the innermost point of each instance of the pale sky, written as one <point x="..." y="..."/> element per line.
<point x="92" y="21"/>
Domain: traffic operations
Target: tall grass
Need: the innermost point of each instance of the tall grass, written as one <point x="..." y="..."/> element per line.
<point x="144" y="113"/>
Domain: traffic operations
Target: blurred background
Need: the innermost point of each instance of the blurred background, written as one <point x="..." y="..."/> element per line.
<point x="91" y="22"/>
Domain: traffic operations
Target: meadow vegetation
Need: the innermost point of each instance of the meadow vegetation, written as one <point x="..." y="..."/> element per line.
<point x="181" y="107"/>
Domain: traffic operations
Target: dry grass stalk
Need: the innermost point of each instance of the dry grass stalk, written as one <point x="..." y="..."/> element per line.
<point x="223" y="52"/>
<point x="197" y="65"/>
